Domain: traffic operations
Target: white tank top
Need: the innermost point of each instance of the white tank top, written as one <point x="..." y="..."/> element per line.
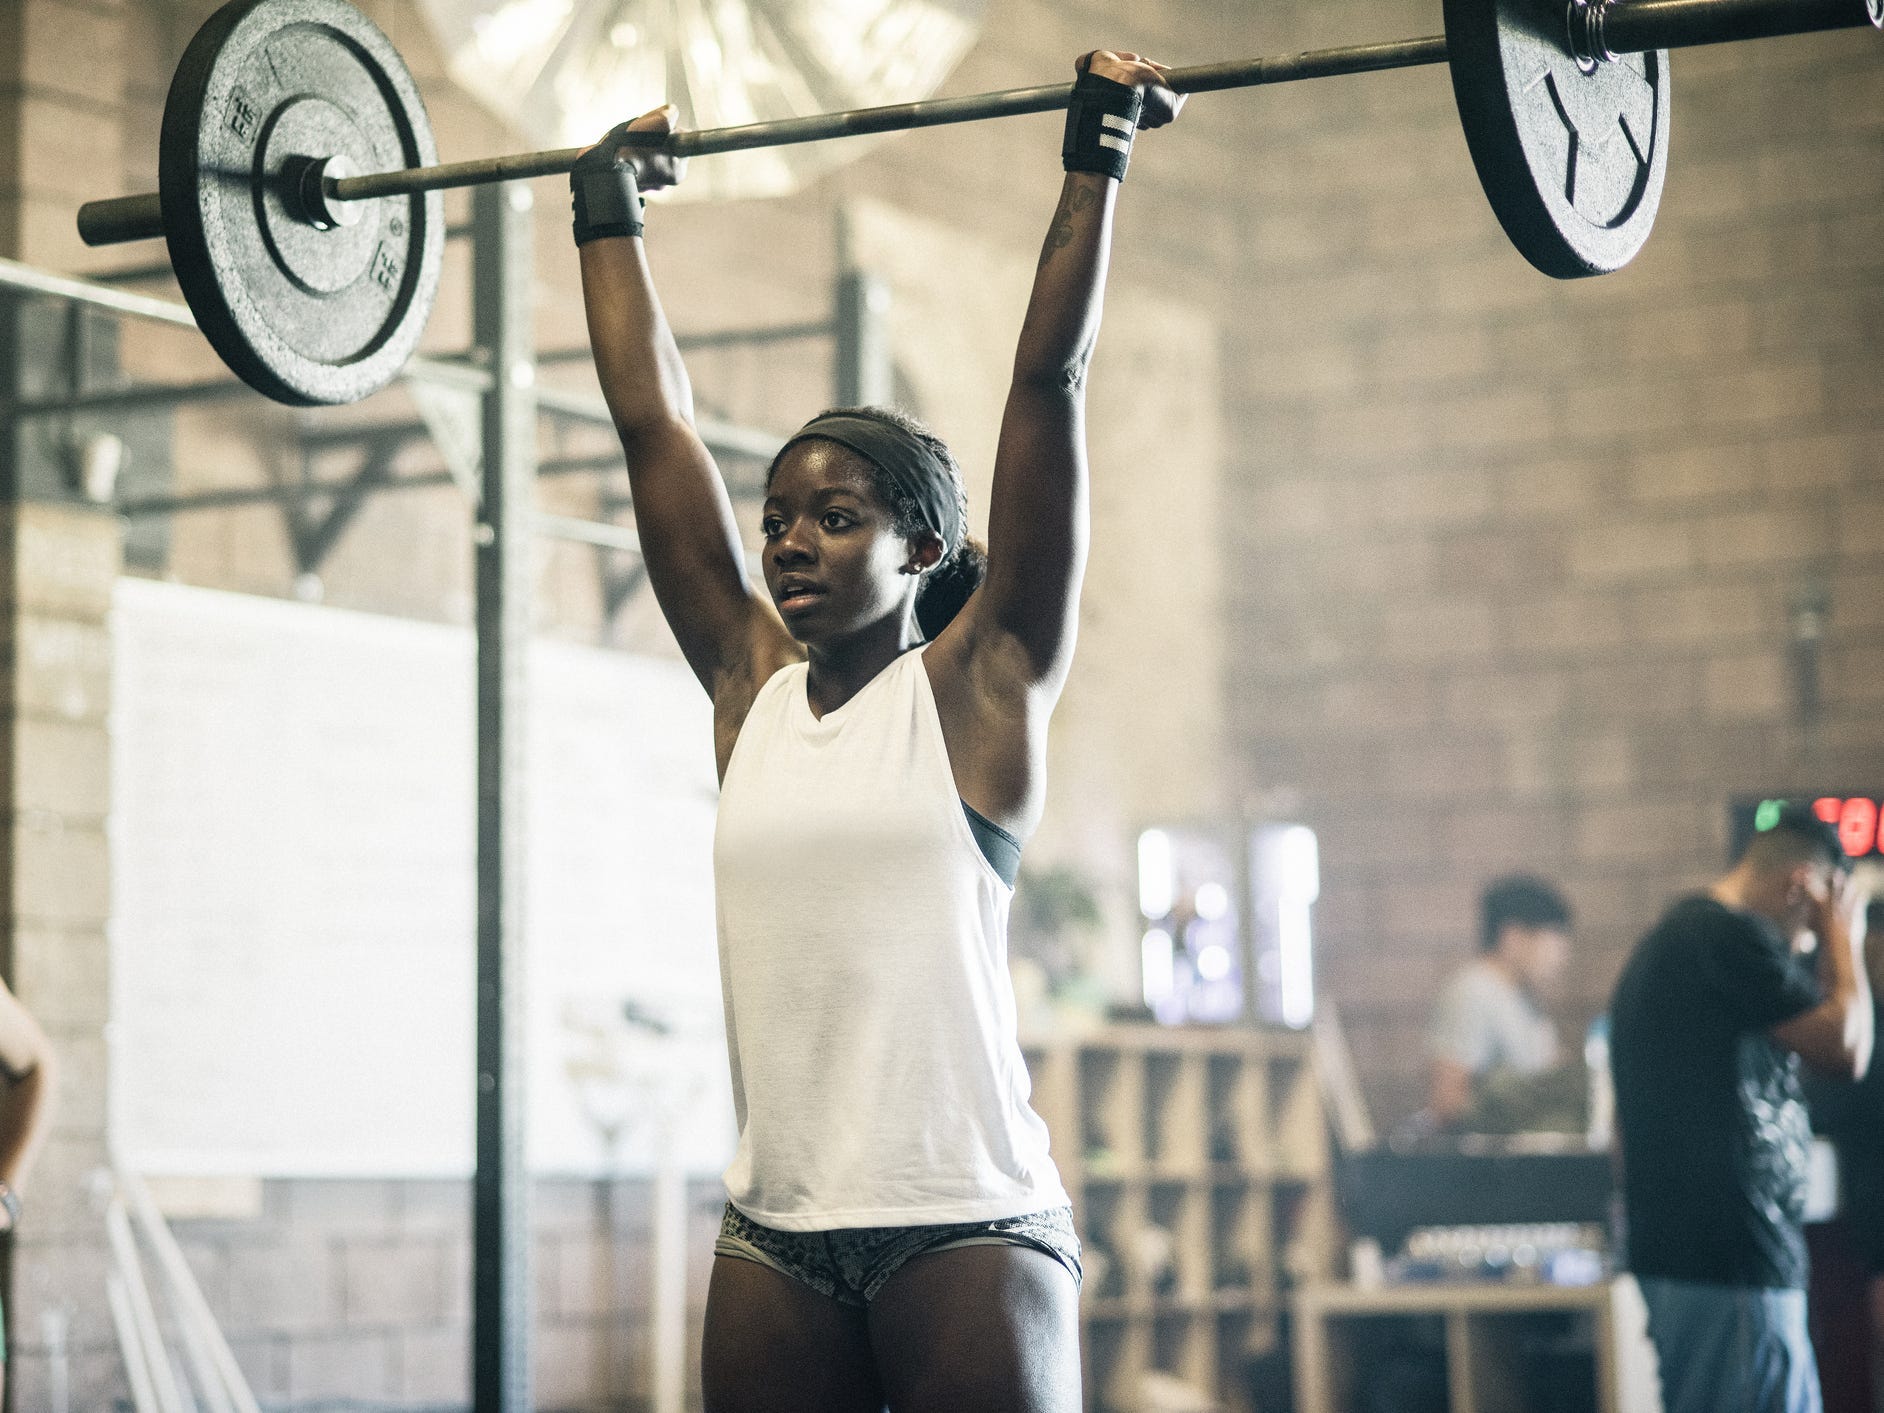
<point x="877" y="1076"/>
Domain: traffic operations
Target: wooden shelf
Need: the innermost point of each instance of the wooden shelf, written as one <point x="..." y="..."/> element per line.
<point x="1481" y="1338"/>
<point x="1176" y="1145"/>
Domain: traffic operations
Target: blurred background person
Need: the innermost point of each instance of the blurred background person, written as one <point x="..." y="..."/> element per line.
<point x="1495" y="1049"/>
<point x="1711" y="1016"/>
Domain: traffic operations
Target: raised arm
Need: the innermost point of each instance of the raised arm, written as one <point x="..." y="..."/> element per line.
<point x="1836" y="1035"/>
<point x="682" y="512"/>
<point x="1037" y="513"/>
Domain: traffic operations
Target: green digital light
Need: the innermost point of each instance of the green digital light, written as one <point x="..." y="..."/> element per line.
<point x="1767" y="815"/>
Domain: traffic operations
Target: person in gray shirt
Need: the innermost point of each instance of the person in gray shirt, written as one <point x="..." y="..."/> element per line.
<point x="1489" y="1026"/>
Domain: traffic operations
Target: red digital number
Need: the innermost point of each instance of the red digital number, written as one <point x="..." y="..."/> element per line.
<point x="1857" y="826"/>
<point x="1828" y="808"/>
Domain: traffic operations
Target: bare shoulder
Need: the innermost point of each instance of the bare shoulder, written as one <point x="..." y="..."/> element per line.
<point x="22" y="1044"/>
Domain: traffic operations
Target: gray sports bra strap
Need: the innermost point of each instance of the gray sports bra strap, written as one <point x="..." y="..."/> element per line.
<point x="1001" y="849"/>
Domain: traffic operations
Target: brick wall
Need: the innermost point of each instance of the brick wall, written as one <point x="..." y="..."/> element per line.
<point x="1518" y="559"/>
<point x="356" y="1294"/>
<point x="62" y="75"/>
<point x="1503" y="568"/>
<point x="60" y="564"/>
<point x="61" y="69"/>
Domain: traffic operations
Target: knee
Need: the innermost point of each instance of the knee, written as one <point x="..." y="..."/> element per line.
<point x="1032" y="1371"/>
<point x="989" y="1390"/>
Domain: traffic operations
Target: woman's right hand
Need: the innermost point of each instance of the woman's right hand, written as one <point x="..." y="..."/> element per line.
<point x="654" y="169"/>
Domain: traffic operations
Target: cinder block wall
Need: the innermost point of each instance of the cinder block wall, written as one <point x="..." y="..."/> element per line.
<point x="1507" y="565"/>
<point x="357" y="1293"/>
<point x="61" y="76"/>
<point x="1517" y="562"/>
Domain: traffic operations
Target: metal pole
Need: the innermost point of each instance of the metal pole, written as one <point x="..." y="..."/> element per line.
<point x="126" y="218"/>
<point x="865" y="370"/>
<point x="502" y="279"/>
<point x="667" y="1306"/>
<point x="900" y="117"/>
<point x="1639" y="25"/>
<point x="600" y="533"/>
<point x="32" y="280"/>
<point x="29" y="279"/>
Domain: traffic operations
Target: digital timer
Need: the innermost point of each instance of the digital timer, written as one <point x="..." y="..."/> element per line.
<point x="1855" y="817"/>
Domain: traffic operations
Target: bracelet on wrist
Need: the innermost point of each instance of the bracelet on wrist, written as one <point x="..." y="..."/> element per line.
<point x="1101" y="120"/>
<point x="603" y="193"/>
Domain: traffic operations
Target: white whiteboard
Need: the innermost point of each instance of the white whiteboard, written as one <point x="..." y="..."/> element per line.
<point x="292" y="846"/>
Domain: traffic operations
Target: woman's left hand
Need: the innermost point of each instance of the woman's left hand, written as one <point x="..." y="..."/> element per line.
<point x="1161" y="104"/>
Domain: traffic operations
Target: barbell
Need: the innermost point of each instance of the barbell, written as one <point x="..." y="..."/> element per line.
<point x="299" y="196"/>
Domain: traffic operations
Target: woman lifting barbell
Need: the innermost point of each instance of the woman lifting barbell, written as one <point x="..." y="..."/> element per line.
<point x="896" y="1231"/>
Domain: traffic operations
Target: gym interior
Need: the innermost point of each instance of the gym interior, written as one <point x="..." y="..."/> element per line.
<point x="370" y="1042"/>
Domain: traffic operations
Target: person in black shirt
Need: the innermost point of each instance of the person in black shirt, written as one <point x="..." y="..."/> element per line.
<point x="1709" y="1017"/>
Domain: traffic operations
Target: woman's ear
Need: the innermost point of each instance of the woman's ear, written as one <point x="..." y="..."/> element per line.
<point x="925" y="552"/>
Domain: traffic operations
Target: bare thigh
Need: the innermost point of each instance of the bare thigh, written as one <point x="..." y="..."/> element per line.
<point x="979" y="1329"/>
<point x="775" y="1346"/>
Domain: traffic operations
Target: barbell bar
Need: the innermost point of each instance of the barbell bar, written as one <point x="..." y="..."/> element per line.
<point x="281" y="205"/>
<point x="1636" y="26"/>
<point x="1613" y="28"/>
<point x="127" y="218"/>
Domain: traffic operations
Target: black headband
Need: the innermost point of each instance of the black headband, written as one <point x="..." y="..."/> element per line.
<point x="917" y="472"/>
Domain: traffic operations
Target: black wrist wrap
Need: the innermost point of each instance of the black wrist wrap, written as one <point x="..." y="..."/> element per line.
<point x="1101" y="120"/>
<point x="607" y="201"/>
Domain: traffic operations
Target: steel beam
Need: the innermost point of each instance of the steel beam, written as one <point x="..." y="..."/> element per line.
<point x="590" y="532"/>
<point x="30" y="280"/>
<point x="865" y="373"/>
<point x="294" y="492"/>
<point x="314" y="536"/>
<point x="709" y="338"/>
<point x="503" y="277"/>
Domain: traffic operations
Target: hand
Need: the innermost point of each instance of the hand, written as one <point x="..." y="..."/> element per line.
<point x="654" y="169"/>
<point x="1136" y="71"/>
<point x="1834" y="909"/>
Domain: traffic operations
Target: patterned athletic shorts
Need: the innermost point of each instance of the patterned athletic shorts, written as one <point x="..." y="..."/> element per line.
<point x="852" y="1264"/>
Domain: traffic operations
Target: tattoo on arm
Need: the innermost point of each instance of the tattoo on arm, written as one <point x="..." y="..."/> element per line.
<point x="1060" y="232"/>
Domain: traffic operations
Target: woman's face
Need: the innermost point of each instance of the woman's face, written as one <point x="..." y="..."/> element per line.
<point x="833" y="561"/>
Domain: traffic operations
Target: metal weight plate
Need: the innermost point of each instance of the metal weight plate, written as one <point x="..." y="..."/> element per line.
<point x="307" y="313"/>
<point x="1572" y="158"/>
